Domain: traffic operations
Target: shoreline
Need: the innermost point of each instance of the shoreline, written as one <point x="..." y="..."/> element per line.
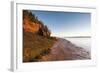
<point x="65" y="50"/>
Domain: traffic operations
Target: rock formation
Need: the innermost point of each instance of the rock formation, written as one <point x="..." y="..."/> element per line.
<point x="32" y="24"/>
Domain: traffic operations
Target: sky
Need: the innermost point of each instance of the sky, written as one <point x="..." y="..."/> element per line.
<point x="63" y="24"/>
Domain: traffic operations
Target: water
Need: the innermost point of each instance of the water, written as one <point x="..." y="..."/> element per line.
<point x="81" y="42"/>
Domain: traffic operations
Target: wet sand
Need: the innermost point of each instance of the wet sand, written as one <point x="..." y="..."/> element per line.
<point x="65" y="50"/>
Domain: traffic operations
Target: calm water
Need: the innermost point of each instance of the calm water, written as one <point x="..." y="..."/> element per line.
<point x="81" y="42"/>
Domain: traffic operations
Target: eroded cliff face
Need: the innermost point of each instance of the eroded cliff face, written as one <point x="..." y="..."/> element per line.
<point x="32" y="24"/>
<point x="36" y="37"/>
<point x="29" y="26"/>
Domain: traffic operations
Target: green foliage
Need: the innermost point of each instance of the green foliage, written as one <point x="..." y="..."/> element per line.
<point x="28" y="14"/>
<point x="44" y="31"/>
<point x="31" y="17"/>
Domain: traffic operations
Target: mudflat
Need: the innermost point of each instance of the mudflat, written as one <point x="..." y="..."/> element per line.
<point x="65" y="50"/>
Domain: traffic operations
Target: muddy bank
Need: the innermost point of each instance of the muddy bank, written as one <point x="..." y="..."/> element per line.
<point x="65" y="50"/>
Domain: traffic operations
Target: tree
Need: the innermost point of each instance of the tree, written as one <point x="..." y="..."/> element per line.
<point x="44" y="31"/>
<point x="28" y="14"/>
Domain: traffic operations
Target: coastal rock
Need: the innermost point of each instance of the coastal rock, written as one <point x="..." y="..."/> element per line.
<point x="32" y="24"/>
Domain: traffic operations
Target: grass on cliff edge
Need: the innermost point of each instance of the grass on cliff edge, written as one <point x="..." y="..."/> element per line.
<point x="34" y="45"/>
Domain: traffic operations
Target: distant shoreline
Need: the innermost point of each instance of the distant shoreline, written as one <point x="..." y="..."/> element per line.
<point x="73" y="36"/>
<point x="77" y="37"/>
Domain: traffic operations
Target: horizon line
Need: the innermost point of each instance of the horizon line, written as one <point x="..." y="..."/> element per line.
<point x="77" y="37"/>
<point x="74" y="36"/>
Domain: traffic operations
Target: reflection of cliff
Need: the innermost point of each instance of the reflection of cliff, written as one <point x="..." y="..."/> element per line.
<point x="38" y="45"/>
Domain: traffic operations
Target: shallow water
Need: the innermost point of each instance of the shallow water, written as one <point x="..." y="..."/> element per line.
<point x="81" y="42"/>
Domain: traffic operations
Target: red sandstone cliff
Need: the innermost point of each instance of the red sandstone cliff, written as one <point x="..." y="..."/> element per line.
<point x="32" y="24"/>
